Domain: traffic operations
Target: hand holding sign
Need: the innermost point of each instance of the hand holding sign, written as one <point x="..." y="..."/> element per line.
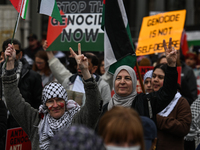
<point x="82" y="62"/>
<point x="170" y="53"/>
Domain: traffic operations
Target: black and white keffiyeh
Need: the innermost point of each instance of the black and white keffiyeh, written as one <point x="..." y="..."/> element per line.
<point x="195" y="125"/>
<point x="48" y="125"/>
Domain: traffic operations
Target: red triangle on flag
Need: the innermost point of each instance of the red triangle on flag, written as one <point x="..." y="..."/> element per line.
<point x="16" y="4"/>
<point x="54" y="31"/>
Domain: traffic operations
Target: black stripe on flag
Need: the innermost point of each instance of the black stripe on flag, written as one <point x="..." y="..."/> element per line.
<point x="38" y="9"/>
<point x="116" y="30"/>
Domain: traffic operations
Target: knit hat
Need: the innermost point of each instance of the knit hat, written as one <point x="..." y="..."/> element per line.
<point x="148" y="74"/>
<point x="150" y="131"/>
<point x="76" y="137"/>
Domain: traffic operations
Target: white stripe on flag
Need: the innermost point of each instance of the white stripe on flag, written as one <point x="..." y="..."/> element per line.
<point x="24" y="9"/>
<point x="46" y="7"/>
<point x="108" y="54"/>
<point x="123" y="12"/>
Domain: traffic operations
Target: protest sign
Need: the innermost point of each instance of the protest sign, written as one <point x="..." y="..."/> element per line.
<point x="158" y="27"/>
<point x="17" y="139"/>
<point x="81" y="24"/>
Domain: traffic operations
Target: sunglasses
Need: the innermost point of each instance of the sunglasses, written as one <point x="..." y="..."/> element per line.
<point x="17" y="51"/>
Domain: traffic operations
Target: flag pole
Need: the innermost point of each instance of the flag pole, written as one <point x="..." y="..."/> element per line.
<point x="140" y="77"/>
<point x="15" y="28"/>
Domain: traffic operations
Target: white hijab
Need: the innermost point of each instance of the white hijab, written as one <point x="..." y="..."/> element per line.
<point x="127" y="100"/>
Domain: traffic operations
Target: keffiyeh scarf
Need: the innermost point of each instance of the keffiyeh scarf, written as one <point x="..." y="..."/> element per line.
<point x="48" y="125"/>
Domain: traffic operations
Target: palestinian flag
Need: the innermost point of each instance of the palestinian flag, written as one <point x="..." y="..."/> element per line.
<point x="20" y="4"/>
<point x="53" y="32"/>
<point x="118" y="46"/>
<point x="49" y="8"/>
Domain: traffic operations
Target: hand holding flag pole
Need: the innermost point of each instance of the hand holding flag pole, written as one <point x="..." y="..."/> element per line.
<point x="15" y="28"/>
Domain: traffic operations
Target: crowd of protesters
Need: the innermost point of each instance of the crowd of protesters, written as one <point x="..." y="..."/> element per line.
<point x="165" y="116"/>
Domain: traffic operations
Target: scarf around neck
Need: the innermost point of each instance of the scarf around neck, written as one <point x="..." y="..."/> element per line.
<point x="165" y="112"/>
<point x="127" y="100"/>
<point x="48" y="126"/>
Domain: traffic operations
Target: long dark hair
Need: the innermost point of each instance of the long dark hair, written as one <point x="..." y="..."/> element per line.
<point x="163" y="67"/>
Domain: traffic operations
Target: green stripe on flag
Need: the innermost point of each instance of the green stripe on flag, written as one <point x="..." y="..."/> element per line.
<point x="130" y="60"/>
<point x="129" y="35"/>
<point x="25" y="9"/>
<point x="56" y="13"/>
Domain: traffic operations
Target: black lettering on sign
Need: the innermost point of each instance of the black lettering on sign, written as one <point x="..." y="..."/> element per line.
<point x="87" y="20"/>
<point x="78" y="35"/>
<point x="91" y="35"/>
<point x="152" y="34"/>
<point x="96" y="5"/>
<point x="160" y="32"/>
<point x="164" y="31"/>
<point x="163" y="19"/>
<point x="66" y="35"/>
<point x="156" y="47"/>
<point x="80" y="19"/>
<point x="55" y="22"/>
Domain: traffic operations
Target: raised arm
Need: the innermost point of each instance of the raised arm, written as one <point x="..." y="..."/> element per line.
<point x="26" y="116"/>
<point x="169" y="89"/>
<point x="90" y="112"/>
<point x="82" y="62"/>
<point x="60" y="72"/>
<point x="171" y="53"/>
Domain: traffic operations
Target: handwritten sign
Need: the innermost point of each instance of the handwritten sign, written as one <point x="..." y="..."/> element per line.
<point x="158" y="27"/>
<point x="17" y="139"/>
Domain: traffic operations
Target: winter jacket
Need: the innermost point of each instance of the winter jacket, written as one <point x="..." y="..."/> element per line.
<point x="30" y="86"/>
<point x="66" y="78"/>
<point x="151" y="104"/>
<point x="173" y="128"/>
<point x="28" y="117"/>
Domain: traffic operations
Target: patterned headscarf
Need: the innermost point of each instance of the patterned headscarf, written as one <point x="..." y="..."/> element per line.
<point x="76" y="137"/>
<point x="48" y="125"/>
<point x="127" y="100"/>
